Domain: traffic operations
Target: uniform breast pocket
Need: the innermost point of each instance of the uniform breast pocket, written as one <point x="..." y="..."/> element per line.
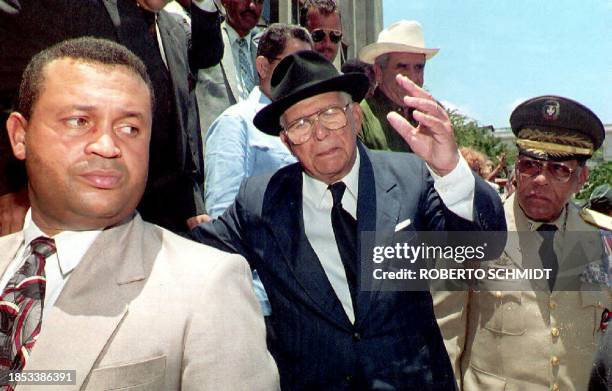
<point x="502" y="312"/>
<point x="148" y="374"/>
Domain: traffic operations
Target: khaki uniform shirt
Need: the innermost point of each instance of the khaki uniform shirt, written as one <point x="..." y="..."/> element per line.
<point x="528" y="339"/>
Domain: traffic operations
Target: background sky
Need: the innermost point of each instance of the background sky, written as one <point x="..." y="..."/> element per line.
<point x="495" y="54"/>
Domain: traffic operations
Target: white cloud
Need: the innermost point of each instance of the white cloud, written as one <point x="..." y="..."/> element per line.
<point x="461" y="109"/>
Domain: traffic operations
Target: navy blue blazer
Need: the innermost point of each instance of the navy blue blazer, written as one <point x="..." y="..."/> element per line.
<point x="395" y="341"/>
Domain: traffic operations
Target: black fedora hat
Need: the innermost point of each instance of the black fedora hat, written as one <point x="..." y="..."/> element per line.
<point x="302" y="75"/>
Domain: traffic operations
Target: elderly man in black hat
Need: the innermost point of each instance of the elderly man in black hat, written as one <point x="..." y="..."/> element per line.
<point x="542" y="335"/>
<point x="302" y="228"/>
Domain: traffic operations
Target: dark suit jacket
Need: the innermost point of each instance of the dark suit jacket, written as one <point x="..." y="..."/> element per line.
<point x="395" y="340"/>
<point x="29" y="26"/>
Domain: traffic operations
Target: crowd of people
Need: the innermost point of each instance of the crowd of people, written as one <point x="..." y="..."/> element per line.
<point x="188" y="200"/>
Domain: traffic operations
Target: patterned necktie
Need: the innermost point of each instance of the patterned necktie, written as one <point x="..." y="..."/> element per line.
<point x="21" y="306"/>
<point x="345" y="232"/>
<point x="547" y="251"/>
<point x="246" y="71"/>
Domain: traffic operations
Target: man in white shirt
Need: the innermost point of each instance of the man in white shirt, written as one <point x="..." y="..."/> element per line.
<point x="302" y="228"/>
<point x="127" y="303"/>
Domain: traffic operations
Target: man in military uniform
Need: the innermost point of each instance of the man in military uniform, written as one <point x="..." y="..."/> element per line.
<point x="538" y="334"/>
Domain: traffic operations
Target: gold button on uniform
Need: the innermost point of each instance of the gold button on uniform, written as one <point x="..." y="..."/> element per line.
<point x="498" y="294"/>
<point x="552" y="305"/>
<point x="555" y="332"/>
<point x="554" y="361"/>
<point x="555" y="387"/>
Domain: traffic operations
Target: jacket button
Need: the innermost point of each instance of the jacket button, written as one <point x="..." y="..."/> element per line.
<point x="356" y="337"/>
<point x="555" y="387"/>
<point x="552" y="305"/>
<point x="555" y="332"/>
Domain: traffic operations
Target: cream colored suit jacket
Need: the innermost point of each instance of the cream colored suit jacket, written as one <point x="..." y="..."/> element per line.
<point x="148" y="310"/>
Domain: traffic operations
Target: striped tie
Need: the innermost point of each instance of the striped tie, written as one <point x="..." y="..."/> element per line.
<point x="21" y="306"/>
<point x="246" y="71"/>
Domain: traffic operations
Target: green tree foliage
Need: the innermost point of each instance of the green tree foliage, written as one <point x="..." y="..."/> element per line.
<point x="598" y="175"/>
<point x="469" y="134"/>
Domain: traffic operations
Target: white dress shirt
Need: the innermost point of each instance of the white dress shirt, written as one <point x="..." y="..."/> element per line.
<point x="456" y="190"/>
<point x="71" y="247"/>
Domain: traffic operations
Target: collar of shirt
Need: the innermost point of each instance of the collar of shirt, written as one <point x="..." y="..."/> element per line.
<point x="71" y="245"/>
<point x="381" y="103"/>
<point x="234" y="37"/>
<point x="560" y="222"/>
<point x="258" y="98"/>
<point x="314" y="189"/>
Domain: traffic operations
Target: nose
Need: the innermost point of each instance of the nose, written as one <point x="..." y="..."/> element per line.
<point x="320" y="132"/>
<point x="104" y="145"/>
<point x="541" y="178"/>
<point x="415" y="75"/>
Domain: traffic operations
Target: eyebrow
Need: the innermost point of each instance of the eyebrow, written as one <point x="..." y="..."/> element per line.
<point x="124" y="113"/>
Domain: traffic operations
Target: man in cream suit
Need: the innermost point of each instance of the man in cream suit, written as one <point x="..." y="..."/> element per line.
<point x="232" y="80"/>
<point x="124" y="303"/>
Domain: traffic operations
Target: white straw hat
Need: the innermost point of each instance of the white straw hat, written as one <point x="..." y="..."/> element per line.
<point x="403" y="36"/>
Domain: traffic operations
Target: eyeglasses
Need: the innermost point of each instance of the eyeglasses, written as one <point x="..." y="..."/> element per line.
<point x="319" y="34"/>
<point x="331" y="118"/>
<point x="530" y="167"/>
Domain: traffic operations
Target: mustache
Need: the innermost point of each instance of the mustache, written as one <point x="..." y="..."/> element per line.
<point x="98" y="163"/>
<point x="245" y="12"/>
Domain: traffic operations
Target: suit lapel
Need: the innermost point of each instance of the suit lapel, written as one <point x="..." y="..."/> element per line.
<point x="227" y="63"/>
<point x="92" y="303"/>
<point x="8" y="249"/>
<point x="113" y="12"/>
<point x="377" y="215"/>
<point x="254" y="43"/>
<point x="175" y="55"/>
<point x="282" y="212"/>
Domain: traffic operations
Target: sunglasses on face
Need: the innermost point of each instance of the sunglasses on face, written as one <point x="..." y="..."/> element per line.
<point x="319" y="34"/>
<point x="530" y="167"/>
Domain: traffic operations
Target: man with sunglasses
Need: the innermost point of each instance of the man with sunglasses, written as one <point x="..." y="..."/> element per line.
<point x="303" y="226"/>
<point x="542" y="334"/>
<point x="322" y="19"/>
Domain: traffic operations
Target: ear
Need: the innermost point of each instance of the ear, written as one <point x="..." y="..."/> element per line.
<point x="357" y="116"/>
<point x="583" y="176"/>
<point x="285" y="140"/>
<point x="377" y="73"/>
<point x="16" y="126"/>
<point x="263" y="67"/>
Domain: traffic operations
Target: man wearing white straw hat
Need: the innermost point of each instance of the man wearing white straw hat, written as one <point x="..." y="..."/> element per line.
<point x="400" y="49"/>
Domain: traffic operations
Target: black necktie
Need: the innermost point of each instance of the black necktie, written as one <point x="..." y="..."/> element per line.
<point x="547" y="252"/>
<point x="345" y="231"/>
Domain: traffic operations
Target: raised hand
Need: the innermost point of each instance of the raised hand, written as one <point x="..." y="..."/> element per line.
<point x="433" y="138"/>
